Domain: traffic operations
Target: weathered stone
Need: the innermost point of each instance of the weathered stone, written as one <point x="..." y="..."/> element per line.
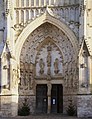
<point x="45" y="42"/>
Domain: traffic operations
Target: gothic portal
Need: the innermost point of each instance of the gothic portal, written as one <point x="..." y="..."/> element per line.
<point x="46" y="56"/>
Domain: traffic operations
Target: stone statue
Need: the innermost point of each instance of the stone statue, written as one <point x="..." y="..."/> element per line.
<point x="42" y="65"/>
<point x="56" y="64"/>
<point x="49" y="59"/>
<point x="15" y="78"/>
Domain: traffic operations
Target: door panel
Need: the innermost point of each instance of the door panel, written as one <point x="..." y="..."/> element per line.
<point x="57" y="98"/>
<point x="41" y="98"/>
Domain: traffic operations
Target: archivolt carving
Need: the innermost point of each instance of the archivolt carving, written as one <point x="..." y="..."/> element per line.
<point x="35" y="48"/>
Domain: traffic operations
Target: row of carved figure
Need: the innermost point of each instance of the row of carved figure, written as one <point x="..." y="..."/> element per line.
<point x="42" y="65"/>
<point x="26" y="79"/>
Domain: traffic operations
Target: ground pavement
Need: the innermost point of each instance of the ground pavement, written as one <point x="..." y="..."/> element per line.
<point x="44" y="117"/>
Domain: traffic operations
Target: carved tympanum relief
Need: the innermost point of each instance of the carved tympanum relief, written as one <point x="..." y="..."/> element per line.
<point x="50" y="58"/>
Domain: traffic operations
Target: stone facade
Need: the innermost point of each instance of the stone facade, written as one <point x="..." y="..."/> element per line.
<point x="45" y="42"/>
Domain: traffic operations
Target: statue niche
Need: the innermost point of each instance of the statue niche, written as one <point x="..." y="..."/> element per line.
<point x="56" y="66"/>
<point x="42" y="65"/>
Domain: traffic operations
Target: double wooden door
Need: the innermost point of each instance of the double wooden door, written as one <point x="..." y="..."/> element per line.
<point x="56" y="98"/>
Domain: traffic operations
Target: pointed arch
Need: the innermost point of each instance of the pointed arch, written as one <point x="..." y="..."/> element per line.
<point x="38" y="22"/>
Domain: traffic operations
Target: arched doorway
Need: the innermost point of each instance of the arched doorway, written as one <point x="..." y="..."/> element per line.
<point x="47" y="63"/>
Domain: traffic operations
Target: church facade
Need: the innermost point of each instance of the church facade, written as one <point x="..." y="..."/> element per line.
<point x="46" y="56"/>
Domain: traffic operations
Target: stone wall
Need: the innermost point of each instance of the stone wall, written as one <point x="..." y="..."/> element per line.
<point x="15" y="16"/>
<point x="84" y="105"/>
<point x="8" y="107"/>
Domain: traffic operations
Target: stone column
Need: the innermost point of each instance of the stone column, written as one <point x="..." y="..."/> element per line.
<point x="39" y="2"/>
<point x="49" y="98"/>
<point x="34" y="13"/>
<point x="29" y="14"/>
<point x="19" y="16"/>
<point x="30" y="3"/>
<point x="45" y="3"/>
<point x="34" y="2"/>
<point x="25" y="3"/>
<point x="19" y="3"/>
<point x="56" y="2"/>
<point x="24" y="16"/>
<point x="49" y="2"/>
